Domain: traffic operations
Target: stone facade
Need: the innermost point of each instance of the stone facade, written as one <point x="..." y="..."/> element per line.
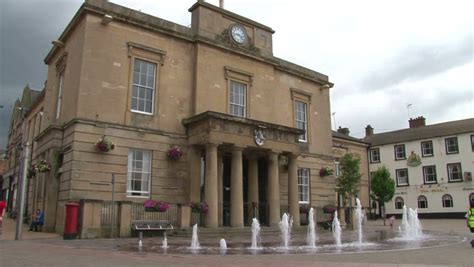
<point x="255" y="157"/>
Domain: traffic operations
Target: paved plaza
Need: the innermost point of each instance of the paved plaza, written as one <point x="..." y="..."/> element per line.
<point x="47" y="249"/>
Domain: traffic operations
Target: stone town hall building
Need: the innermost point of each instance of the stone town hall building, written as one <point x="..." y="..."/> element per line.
<point x="254" y="129"/>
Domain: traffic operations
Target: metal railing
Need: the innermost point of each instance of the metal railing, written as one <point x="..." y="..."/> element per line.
<point x="108" y="211"/>
<point x="170" y="215"/>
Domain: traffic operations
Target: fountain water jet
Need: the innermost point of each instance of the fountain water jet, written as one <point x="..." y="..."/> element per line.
<point x="359" y="218"/>
<point x="195" y="240"/>
<point x="311" y="236"/>
<point x="223" y="244"/>
<point x="165" y="243"/>
<point x="336" y="230"/>
<point x="255" y="233"/>
<point x="285" y="226"/>
<point x="411" y="227"/>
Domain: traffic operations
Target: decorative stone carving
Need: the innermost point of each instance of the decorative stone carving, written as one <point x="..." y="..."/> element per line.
<point x="259" y="136"/>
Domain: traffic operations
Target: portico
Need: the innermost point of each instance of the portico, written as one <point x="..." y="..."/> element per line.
<point x="236" y="148"/>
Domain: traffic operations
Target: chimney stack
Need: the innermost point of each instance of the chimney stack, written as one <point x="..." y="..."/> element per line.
<point x="417" y="122"/>
<point x="369" y="130"/>
<point x="221" y="4"/>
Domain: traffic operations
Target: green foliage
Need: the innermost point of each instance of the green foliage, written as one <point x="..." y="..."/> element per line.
<point x="348" y="181"/>
<point x="382" y="186"/>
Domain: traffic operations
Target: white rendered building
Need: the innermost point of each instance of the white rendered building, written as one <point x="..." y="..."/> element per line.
<point x="432" y="166"/>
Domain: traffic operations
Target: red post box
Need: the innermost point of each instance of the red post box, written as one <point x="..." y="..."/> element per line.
<point x="70" y="225"/>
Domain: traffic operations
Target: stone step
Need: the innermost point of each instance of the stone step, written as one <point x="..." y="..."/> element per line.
<point x="237" y="231"/>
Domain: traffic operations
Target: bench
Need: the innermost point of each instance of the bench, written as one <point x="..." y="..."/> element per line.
<point x="325" y="224"/>
<point x="151" y="225"/>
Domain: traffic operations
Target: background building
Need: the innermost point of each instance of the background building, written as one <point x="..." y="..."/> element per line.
<point x="253" y="129"/>
<point x="25" y="124"/>
<point x="432" y="166"/>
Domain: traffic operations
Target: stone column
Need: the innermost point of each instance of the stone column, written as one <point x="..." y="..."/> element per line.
<point x="210" y="187"/>
<point x="125" y="217"/>
<point x="236" y="189"/>
<point x="253" y="184"/>
<point x="194" y="174"/>
<point x="273" y="189"/>
<point x="184" y="213"/>
<point x="91" y="219"/>
<point x="220" y="185"/>
<point x="293" y="189"/>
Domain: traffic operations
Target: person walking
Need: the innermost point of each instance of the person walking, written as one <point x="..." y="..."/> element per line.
<point x="2" y="213"/>
<point x="470" y="219"/>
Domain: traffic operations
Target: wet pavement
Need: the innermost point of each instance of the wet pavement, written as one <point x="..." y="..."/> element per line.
<point x="449" y="247"/>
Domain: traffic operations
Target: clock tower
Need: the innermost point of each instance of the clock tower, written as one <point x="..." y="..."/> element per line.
<point x="220" y="26"/>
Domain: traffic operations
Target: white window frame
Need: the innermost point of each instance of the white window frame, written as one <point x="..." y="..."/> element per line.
<point x="60" y="94"/>
<point x="303" y="185"/>
<point x="424" y="149"/>
<point x="397" y="174"/>
<point x="144" y="171"/>
<point x="400" y="153"/>
<point x="238" y="100"/>
<point x="373" y="155"/>
<point x="450" y="172"/>
<point x="143" y="88"/>
<point x="303" y="119"/>
<point x="427" y="174"/>
<point x="419" y="200"/>
<point x="446" y="197"/>
<point x="450" y="146"/>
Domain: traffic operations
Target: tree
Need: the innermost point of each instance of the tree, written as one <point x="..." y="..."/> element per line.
<point x="349" y="180"/>
<point x="382" y="187"/>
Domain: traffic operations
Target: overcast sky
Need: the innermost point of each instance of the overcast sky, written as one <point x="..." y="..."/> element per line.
<point x="381" y="55"/>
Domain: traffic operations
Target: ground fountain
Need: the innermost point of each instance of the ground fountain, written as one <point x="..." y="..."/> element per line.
<point x="302" y="242"/>
<point x="255" y="233"/>
<point x="336" y="230"/>
<point x="285" y="228"/>
<point x="411" y="228"/>
<point x="222" y="244"/>
<point x="359" y="218"/>
<point x="195" y="240"/>
<point x="165" y="242"/>
<point x="311" y="235"/>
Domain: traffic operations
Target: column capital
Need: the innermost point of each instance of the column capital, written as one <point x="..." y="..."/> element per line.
<point x="292" y="156"/>
<point x="236" y="148"/>
<point x="211" y="145"/>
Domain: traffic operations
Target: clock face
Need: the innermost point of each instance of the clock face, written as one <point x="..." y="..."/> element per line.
<point x="238" y="34"/>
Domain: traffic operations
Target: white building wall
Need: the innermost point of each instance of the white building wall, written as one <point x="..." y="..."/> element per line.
<point x="460" y="191"/>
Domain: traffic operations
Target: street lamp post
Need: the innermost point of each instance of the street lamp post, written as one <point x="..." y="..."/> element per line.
<point x="22" y="193"/>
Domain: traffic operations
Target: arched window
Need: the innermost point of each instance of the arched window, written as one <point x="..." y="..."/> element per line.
<point x="447" y="201"/>
<point x="471" y="197"/>
<point x="422" y="202"/>
<point x="399" y="203"/>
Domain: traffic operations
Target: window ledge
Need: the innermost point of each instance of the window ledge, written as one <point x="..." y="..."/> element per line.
<point x="141" y="112"/>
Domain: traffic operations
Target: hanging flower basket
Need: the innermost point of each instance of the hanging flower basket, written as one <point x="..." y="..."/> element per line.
<point x="41" y="167"/>
<point x="175" y="153"/>
<point x="104" y="144"/>
<point x="155" y="206"/>
<point x="329" y="209"/>
<point x="325" y="172"/>
<point x="199" y="207"/>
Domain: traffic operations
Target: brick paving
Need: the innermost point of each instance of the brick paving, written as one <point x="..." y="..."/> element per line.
<point x="48" y="249"/>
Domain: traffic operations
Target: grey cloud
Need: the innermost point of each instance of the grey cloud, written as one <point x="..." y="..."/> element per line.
<point x="27" y="28"/>
<point x="416" y="63"/>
